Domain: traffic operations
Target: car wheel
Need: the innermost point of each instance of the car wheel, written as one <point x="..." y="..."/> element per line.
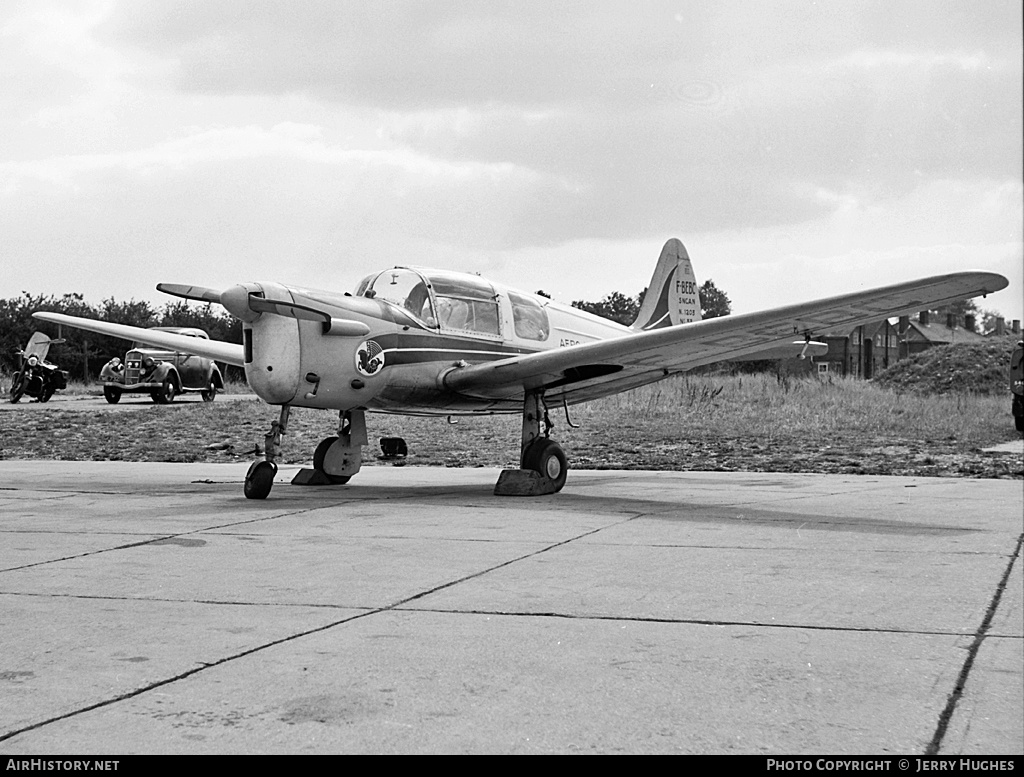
<point x="259" y="479"/>
<point x="111" y="394"/>
<point x="320" y="454"/>
<point x="167" y="392"/>
<point x="546" y="457"/>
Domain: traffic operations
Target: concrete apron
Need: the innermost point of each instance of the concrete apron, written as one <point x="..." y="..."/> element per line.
<point x="151" y="608"/>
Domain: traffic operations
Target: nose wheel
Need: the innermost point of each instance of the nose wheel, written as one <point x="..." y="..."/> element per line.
<point x="260" y="477"/>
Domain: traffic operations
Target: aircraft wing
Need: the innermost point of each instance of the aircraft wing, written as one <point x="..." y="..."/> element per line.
<point x="211" y="349"/>
<point x="582" y="372"/>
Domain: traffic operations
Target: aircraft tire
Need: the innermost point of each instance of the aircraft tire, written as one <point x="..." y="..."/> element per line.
<point x="210" y="394"/>
<point x="546" y="457"/>
<point x="320" y="455"/>
<point x="1019" y="422"/>
<point x="111" y="394"/>
<point x="259" y="480"/>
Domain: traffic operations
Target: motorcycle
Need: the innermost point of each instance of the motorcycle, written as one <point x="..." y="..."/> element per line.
<point x="37" y="377"/>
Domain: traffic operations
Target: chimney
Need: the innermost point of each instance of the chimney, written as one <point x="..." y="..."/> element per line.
<point x="903" y="325"/>
<point x="1000" y="326"/>
<point x="1016" y="326"/>
<point x="923" y="317"/>
<point x="969" y="322"/>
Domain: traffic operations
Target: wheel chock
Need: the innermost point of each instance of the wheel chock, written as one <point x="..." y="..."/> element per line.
<point x="311" y="477"/>
<point x="523" y="482"/>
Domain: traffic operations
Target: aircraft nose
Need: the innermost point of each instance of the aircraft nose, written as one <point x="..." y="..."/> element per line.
<point x="236" y="300"/>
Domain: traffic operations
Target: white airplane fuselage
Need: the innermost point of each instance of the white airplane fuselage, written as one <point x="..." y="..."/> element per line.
<point x="400" y="363"/>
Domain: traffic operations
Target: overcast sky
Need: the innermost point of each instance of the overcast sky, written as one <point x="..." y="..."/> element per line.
<point x="799" y="149"/>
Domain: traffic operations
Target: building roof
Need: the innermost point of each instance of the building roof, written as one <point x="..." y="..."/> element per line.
<point x="940" y="333"/>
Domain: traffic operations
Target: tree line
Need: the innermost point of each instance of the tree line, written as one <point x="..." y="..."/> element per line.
<point x="83" y="353"/>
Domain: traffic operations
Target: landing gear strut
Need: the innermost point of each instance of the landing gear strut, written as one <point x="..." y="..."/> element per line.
<point x="260" y="477"/>
<point x="543" y="466"/>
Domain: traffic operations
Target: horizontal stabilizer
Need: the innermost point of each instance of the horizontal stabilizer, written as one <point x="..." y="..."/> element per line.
<point x="197" y="293"/>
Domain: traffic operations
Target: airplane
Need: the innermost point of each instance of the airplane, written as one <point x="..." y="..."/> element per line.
<point x="417" y="341"/>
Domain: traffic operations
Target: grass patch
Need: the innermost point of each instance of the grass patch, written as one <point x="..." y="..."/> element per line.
<point x="734" y="423"/>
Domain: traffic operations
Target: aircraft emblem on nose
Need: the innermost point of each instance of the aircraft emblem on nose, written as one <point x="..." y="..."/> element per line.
<point x="369" y="358"/>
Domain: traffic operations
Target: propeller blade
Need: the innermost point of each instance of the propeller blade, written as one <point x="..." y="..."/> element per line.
<point x="197" y="293"/>
<point x="289" y="309"/>
<point x="337" y="327"/>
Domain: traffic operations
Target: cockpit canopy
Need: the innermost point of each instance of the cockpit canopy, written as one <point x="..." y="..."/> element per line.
<point x="439" y="300"/>
<point x="455" y="302"/>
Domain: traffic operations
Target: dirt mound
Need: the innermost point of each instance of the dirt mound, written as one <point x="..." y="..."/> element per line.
<point x="982" y="368"/>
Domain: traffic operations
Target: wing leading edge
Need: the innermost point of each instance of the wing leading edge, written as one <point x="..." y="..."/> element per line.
<point x="211" y="349"/>
<point x="584" y="372"/>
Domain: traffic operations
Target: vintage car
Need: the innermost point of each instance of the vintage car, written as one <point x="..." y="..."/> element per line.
<point x="1017" y="385"/>
<point x="164" y="374"/>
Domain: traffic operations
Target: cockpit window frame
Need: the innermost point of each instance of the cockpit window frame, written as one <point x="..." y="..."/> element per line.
<point x="529" y="318"/>
<point x="469" y="299"/>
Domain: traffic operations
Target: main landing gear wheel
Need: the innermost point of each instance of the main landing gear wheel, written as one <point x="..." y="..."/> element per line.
<point x="546" y="457"/>
<point x="111" y="394"/>
<point x="260" y="479"/>
<point x="542" y="464"/>
<point x="210" y="394"/>
<point x="320" y="454"/>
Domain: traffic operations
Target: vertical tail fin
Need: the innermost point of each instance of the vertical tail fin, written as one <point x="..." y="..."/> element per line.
<point x="672" y="297"/>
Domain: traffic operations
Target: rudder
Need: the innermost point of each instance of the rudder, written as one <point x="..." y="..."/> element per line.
<point x="672" y="296"/>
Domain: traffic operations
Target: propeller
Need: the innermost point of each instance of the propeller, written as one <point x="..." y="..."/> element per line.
<point x="337" y="327"/>
<point x="246" y="303"/>
<point x="197" y="293"/>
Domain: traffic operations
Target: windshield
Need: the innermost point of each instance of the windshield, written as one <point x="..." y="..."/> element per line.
<point x="407" y="289"/>
<point x="38" y="345"/>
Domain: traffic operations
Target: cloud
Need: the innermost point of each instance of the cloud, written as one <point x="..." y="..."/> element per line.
<point x="281" y="138"/>
<point x="711" y="117"/>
